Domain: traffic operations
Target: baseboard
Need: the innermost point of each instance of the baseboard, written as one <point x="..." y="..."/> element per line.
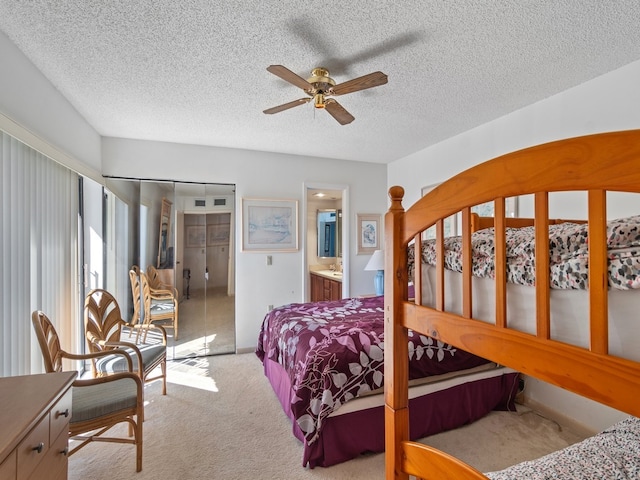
<point x="245" y="350"/>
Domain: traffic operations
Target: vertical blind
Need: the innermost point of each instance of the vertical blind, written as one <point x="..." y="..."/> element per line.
<point x="39" y="254"/>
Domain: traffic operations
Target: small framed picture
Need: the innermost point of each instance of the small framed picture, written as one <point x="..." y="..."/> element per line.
<point x="369" y="231"/>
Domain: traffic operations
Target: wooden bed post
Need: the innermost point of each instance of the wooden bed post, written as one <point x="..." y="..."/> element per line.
<point x="396" y="350"/>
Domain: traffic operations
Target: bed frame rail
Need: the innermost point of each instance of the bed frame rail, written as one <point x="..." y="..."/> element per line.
<point x="595" y="164"/>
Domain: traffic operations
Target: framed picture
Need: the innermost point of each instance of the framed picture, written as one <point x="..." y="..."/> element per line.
<point x="195" y="236"/>
<point x="218" y="234"/>
<point x="269" y="225"/>
<point x="369" y="231"/>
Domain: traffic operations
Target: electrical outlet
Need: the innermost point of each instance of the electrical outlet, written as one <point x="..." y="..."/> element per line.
<point x="269" y="259"/>
<point x="270" y="307"/>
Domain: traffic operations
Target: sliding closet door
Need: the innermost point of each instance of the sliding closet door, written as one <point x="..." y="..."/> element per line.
<point x="220" y="317"/>
<point x="191" y="263"/>
<point x="203" y="261"/>
<point x="184" y="230"/>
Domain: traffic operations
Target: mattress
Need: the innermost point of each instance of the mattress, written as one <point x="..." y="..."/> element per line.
<point x="569" y="310"/>
<point x="426" y="386"/>
<point x="358" y="426"/>
<point x="612" y="454"/>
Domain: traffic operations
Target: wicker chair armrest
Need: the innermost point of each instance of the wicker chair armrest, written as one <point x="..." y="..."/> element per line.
<point x="165" y="286"/>
<point x="103" y="353"/>
<point x="112" y="378"/>
<point x="150" y="326"/>
<point x="161" y="294"/>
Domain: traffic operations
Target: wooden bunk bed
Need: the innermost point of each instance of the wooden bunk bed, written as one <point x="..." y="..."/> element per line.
<point x="597" y="366"/>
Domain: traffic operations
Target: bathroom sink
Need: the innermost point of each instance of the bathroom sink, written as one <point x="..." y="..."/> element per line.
<point x="330" y="273"/>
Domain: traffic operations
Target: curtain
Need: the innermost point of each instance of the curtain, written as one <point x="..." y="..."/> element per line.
<point x="39" y="254"/>
<point x="117" y="241"/>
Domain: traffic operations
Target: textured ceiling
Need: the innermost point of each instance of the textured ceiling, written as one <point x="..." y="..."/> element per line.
<point x="194" y="71"/>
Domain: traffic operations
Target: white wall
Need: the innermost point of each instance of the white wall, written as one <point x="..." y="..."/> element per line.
<point x="258" y="175"/>
<point x="610" y="102"/>
<point x="29" y="100"/>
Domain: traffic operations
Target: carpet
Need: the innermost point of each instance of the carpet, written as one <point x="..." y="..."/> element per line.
<point x="221" y="420"/>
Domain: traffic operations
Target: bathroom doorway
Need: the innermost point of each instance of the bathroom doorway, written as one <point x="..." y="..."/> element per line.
<point x="320" y="198"/>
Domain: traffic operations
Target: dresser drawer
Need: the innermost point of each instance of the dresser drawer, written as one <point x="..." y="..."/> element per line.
<point x="33" y="427"/>
<point x="8" y="467"/>
<point x="54" y="464"/>
<point x="33" y="449"/>
<point x="59" y="417"/>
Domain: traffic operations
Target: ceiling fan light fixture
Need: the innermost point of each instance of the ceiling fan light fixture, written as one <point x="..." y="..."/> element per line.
<point x="318" y="100"/>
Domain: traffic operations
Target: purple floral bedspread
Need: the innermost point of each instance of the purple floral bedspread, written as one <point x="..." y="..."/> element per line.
<point x="334" y="351"/>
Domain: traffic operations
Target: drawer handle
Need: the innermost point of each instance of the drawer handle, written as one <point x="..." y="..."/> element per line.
<point x="39" y="448"/>
<point x="65" y="452"/>
<point x="63" y="414"/>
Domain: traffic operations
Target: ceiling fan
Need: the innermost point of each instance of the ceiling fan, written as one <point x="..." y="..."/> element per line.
<point x="321" y="88"/>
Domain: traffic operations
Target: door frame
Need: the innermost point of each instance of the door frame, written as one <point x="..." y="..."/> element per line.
<point x="306" y="186"/>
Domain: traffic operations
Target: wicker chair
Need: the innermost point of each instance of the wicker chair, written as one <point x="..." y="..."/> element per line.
<point x="103" y="325"/>
<point x="134" y="278"/>
<point x="158" y="305"/>
<point x="159" y="290"/>
<point x="98" y="404"/>
<point x="155" y="283"/>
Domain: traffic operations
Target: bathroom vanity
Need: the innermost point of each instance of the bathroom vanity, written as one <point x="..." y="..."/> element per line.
<point x="326" y="285"/>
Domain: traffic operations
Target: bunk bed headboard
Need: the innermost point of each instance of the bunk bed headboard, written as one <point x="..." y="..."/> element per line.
<point x="595" y="164"/>
<point x="479" y="223"/>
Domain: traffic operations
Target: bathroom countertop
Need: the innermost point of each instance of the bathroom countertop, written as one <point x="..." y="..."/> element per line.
<point x="331" y="274"/>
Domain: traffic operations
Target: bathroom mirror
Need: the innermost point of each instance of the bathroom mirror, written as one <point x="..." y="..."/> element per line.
<point x="329" y="232"/>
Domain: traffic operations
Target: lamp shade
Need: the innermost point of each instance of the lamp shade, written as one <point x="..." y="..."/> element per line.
<point x="376" y="262"/>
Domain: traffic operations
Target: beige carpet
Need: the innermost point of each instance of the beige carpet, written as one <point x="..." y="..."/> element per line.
<point x="221" y="420"/>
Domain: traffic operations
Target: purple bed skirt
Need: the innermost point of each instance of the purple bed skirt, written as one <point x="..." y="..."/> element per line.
<point x="346" y="436"/>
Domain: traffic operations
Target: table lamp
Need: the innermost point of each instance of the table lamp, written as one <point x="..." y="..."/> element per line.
<point x="376" y="262"/>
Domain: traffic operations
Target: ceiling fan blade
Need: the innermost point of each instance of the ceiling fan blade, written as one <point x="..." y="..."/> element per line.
<point x="288" y="76"/>
<point x="287" y="106"/>
<point x="338" y="112"/>
<point x="361" y="83"/>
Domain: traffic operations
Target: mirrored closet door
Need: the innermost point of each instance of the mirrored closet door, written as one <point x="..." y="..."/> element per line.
<point x="185" y="232"/>
<point x="204" y="266"/>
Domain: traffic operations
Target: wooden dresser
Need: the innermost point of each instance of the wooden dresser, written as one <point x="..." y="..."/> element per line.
<point x="34" y="420"/>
